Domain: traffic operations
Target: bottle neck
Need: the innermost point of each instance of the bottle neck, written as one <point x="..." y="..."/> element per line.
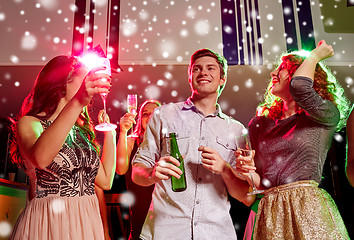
<point x="173" y="143"/>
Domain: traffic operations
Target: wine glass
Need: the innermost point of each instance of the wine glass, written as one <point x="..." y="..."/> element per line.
<point x="105" y="126"/>
<point x="244" y="144"/>
<point x="132" y="105"/>
<point x="92" y="60"/>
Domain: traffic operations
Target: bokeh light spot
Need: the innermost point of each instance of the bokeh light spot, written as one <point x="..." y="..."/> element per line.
<point x="202" y="27"/>
<point x="228" y="29"/>
<point x="127" y="199"/>
<point x="266" y="183"/>
<point x="152" y="92"/>
<point x="5" y="229"/>
<point x="100" y="3"/>
<point x="184" y="33"/>
<point x="168" y="75"/>
<point x="28" y="42"/>
<point x="56" y="40"/>
<point x="14" y="59"/>
<point x="2" y="16"/>
<point x="190" y="13"/>
<point x="57" y="206"/>
<point x="249" y="83"/>
<point x="160" y="82"/>
<point x="339" y="138"/>
<point x="129" y="28"/>
<point x="348" y="79"/>
<point x="49" y="4"/>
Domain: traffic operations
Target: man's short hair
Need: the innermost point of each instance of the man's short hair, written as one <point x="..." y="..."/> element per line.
<point x="219" y="59"/>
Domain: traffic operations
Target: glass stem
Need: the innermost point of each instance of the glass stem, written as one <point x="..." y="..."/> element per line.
<point x="104" y="97"/>
<point x="104" y="110"/>
<point x="253" y="185"/>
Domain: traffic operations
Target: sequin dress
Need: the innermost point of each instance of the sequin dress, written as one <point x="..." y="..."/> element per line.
<point x="290" y="156"/>
<point x="63" y="204"/>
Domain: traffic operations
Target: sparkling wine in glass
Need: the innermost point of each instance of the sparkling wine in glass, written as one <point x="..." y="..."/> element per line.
<point x="244" y="144"/>
<point x="91" y="61"/>
<point x="132" y="105"/>
<point x="105" y="126"/>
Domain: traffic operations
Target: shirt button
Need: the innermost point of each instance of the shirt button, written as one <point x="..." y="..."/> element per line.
<point x="195" y="224"/>
<point x="197" y="202"/>
<point x="203" y="138"/>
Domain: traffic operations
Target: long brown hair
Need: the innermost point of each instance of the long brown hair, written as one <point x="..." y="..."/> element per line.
<point x="49" y="88"/>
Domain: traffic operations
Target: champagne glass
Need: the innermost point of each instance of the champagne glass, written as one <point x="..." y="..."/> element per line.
<point x="105" y="126"/>
<point x="132" y="105"/>
<point x="91" y="61"/>
<point x="244" y="144"/>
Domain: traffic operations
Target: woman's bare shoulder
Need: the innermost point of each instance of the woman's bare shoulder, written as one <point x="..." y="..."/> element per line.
<point x="27" y="118"/>
<point x="29" y="124"/>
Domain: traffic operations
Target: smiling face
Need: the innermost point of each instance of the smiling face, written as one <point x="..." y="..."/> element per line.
<point x="205" y="77"/>
<point x="146" y="114"/>
<point x="280" y="82"/>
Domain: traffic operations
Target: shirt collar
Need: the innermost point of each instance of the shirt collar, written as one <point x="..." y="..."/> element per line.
<point x="188" y="104"/>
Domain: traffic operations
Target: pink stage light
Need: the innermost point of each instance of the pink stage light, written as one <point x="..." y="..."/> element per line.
<point x="92" y="60"/>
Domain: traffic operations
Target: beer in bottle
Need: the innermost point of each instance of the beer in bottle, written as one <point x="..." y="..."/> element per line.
<point x="178" y="185"/>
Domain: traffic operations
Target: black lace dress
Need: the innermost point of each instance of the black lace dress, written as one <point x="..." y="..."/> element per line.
<point x="63" y="204"/>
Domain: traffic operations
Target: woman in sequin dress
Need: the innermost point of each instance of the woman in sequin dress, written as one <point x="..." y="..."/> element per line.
<point x="54" y="142"/>
<point x="126" y="149"/>
<point x="291" y="135"/>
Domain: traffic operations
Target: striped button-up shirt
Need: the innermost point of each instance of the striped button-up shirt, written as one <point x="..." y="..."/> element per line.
<point x="202" y="210"/>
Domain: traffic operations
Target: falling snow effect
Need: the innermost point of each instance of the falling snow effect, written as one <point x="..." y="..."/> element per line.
<point x="152" y="92"/>
<point x="148" y="31"/>
<point x="5" y="229"/>
<point x="49" y="4"/>
<point x="338" y="137"/>
<point x="127" y="199"/>
<point x="266" y="183"/>
<point x="58" y="206"/>
<point x="158" y="34"/>
<point x="129" y="27"/>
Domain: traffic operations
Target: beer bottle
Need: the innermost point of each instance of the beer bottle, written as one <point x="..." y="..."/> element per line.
<point x="178" y="185"/>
